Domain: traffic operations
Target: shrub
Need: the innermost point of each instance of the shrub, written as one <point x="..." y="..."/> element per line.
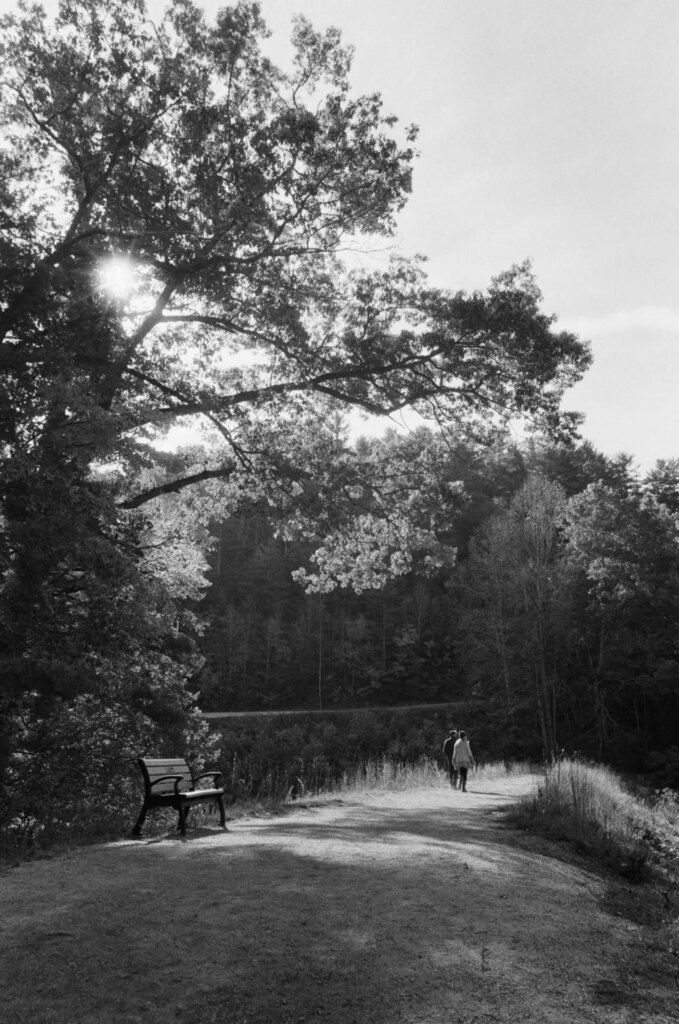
<point x="589" y="805"/>
<point x="73" y="774"/>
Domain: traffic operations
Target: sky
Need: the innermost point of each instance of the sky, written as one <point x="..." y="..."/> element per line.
<point x="549" y="130"/>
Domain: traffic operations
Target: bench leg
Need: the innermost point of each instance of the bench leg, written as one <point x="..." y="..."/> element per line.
<point x="222" y="815"/>
<point x="136" y="831"/>
<point x="181" y="824"/>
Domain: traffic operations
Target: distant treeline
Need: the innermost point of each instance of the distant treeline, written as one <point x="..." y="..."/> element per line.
<point x="559" y="614"/>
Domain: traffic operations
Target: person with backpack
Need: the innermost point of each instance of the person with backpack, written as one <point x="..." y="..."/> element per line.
<point x="463" y="759"/>
<point x="448" y="747"/>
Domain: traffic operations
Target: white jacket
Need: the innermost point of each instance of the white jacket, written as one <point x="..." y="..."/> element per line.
<point x="462" y="755"/>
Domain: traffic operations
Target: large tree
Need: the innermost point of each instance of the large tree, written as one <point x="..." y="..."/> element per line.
<point x="174" y="210"/>
<point x="175" y="207"/>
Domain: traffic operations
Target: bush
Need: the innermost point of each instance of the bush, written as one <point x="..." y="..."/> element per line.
<point x="589" y="805"/>
<point x="72" y="775"/>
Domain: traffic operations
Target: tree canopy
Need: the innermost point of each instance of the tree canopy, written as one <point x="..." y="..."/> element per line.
<point x="175" y="211"/>
<point x="178" y="216"/>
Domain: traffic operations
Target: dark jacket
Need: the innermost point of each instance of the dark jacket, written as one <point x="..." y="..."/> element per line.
<point x="448" y="747"/>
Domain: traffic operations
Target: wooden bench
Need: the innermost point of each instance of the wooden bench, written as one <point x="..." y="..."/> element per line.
<point x="169" y="782"/>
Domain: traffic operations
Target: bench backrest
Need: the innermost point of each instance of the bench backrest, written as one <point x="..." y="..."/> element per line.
<point x="155" y="767"/>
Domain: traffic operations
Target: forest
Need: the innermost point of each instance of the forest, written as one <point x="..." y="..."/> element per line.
<point x="553" y="606"/>
<point x="190" y="520"/>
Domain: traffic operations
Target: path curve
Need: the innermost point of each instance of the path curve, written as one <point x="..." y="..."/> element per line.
<point x="418" y="907"/>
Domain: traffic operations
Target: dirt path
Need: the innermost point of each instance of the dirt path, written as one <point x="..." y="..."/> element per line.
<point x="418" y="907"/>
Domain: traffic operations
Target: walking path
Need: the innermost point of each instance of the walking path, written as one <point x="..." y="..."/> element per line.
<point x="420" y="907"/>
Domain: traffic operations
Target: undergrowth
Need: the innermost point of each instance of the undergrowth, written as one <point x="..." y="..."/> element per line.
<point x="590" y="806"/>
<point x="388" y="775"/>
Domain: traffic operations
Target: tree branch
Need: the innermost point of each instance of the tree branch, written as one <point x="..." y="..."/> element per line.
<point x="174" y="486"/>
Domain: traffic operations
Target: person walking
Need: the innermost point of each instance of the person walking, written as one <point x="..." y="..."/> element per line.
<point x="463" y="759"/>
<point x="448" y="747"/>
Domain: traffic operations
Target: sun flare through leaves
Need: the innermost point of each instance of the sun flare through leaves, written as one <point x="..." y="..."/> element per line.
<point x="117" y="276"/>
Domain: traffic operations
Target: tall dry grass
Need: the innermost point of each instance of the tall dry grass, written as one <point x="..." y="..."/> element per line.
<point x="386" y="774"/>
<point x="590" y="805"/>
<point x="390" y="775"/>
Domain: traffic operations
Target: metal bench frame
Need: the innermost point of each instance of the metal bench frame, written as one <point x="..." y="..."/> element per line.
<point x="169" y="782"/>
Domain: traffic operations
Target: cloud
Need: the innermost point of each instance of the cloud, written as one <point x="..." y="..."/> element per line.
<point x="646" y="318"/>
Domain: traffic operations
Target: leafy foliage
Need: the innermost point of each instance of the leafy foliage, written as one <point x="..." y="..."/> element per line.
<point x="514" y="602"/>
<point x="174" y="211"/>
<point x="559" y="612"/>
<point x="73" y="774"/>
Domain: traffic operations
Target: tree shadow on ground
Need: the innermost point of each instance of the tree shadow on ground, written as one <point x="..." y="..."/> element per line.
<point x="373" y="914"/>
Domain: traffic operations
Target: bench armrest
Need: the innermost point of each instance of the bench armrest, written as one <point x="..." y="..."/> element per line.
<point x="209" y="775"/>
<point x="166" y="778"/>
